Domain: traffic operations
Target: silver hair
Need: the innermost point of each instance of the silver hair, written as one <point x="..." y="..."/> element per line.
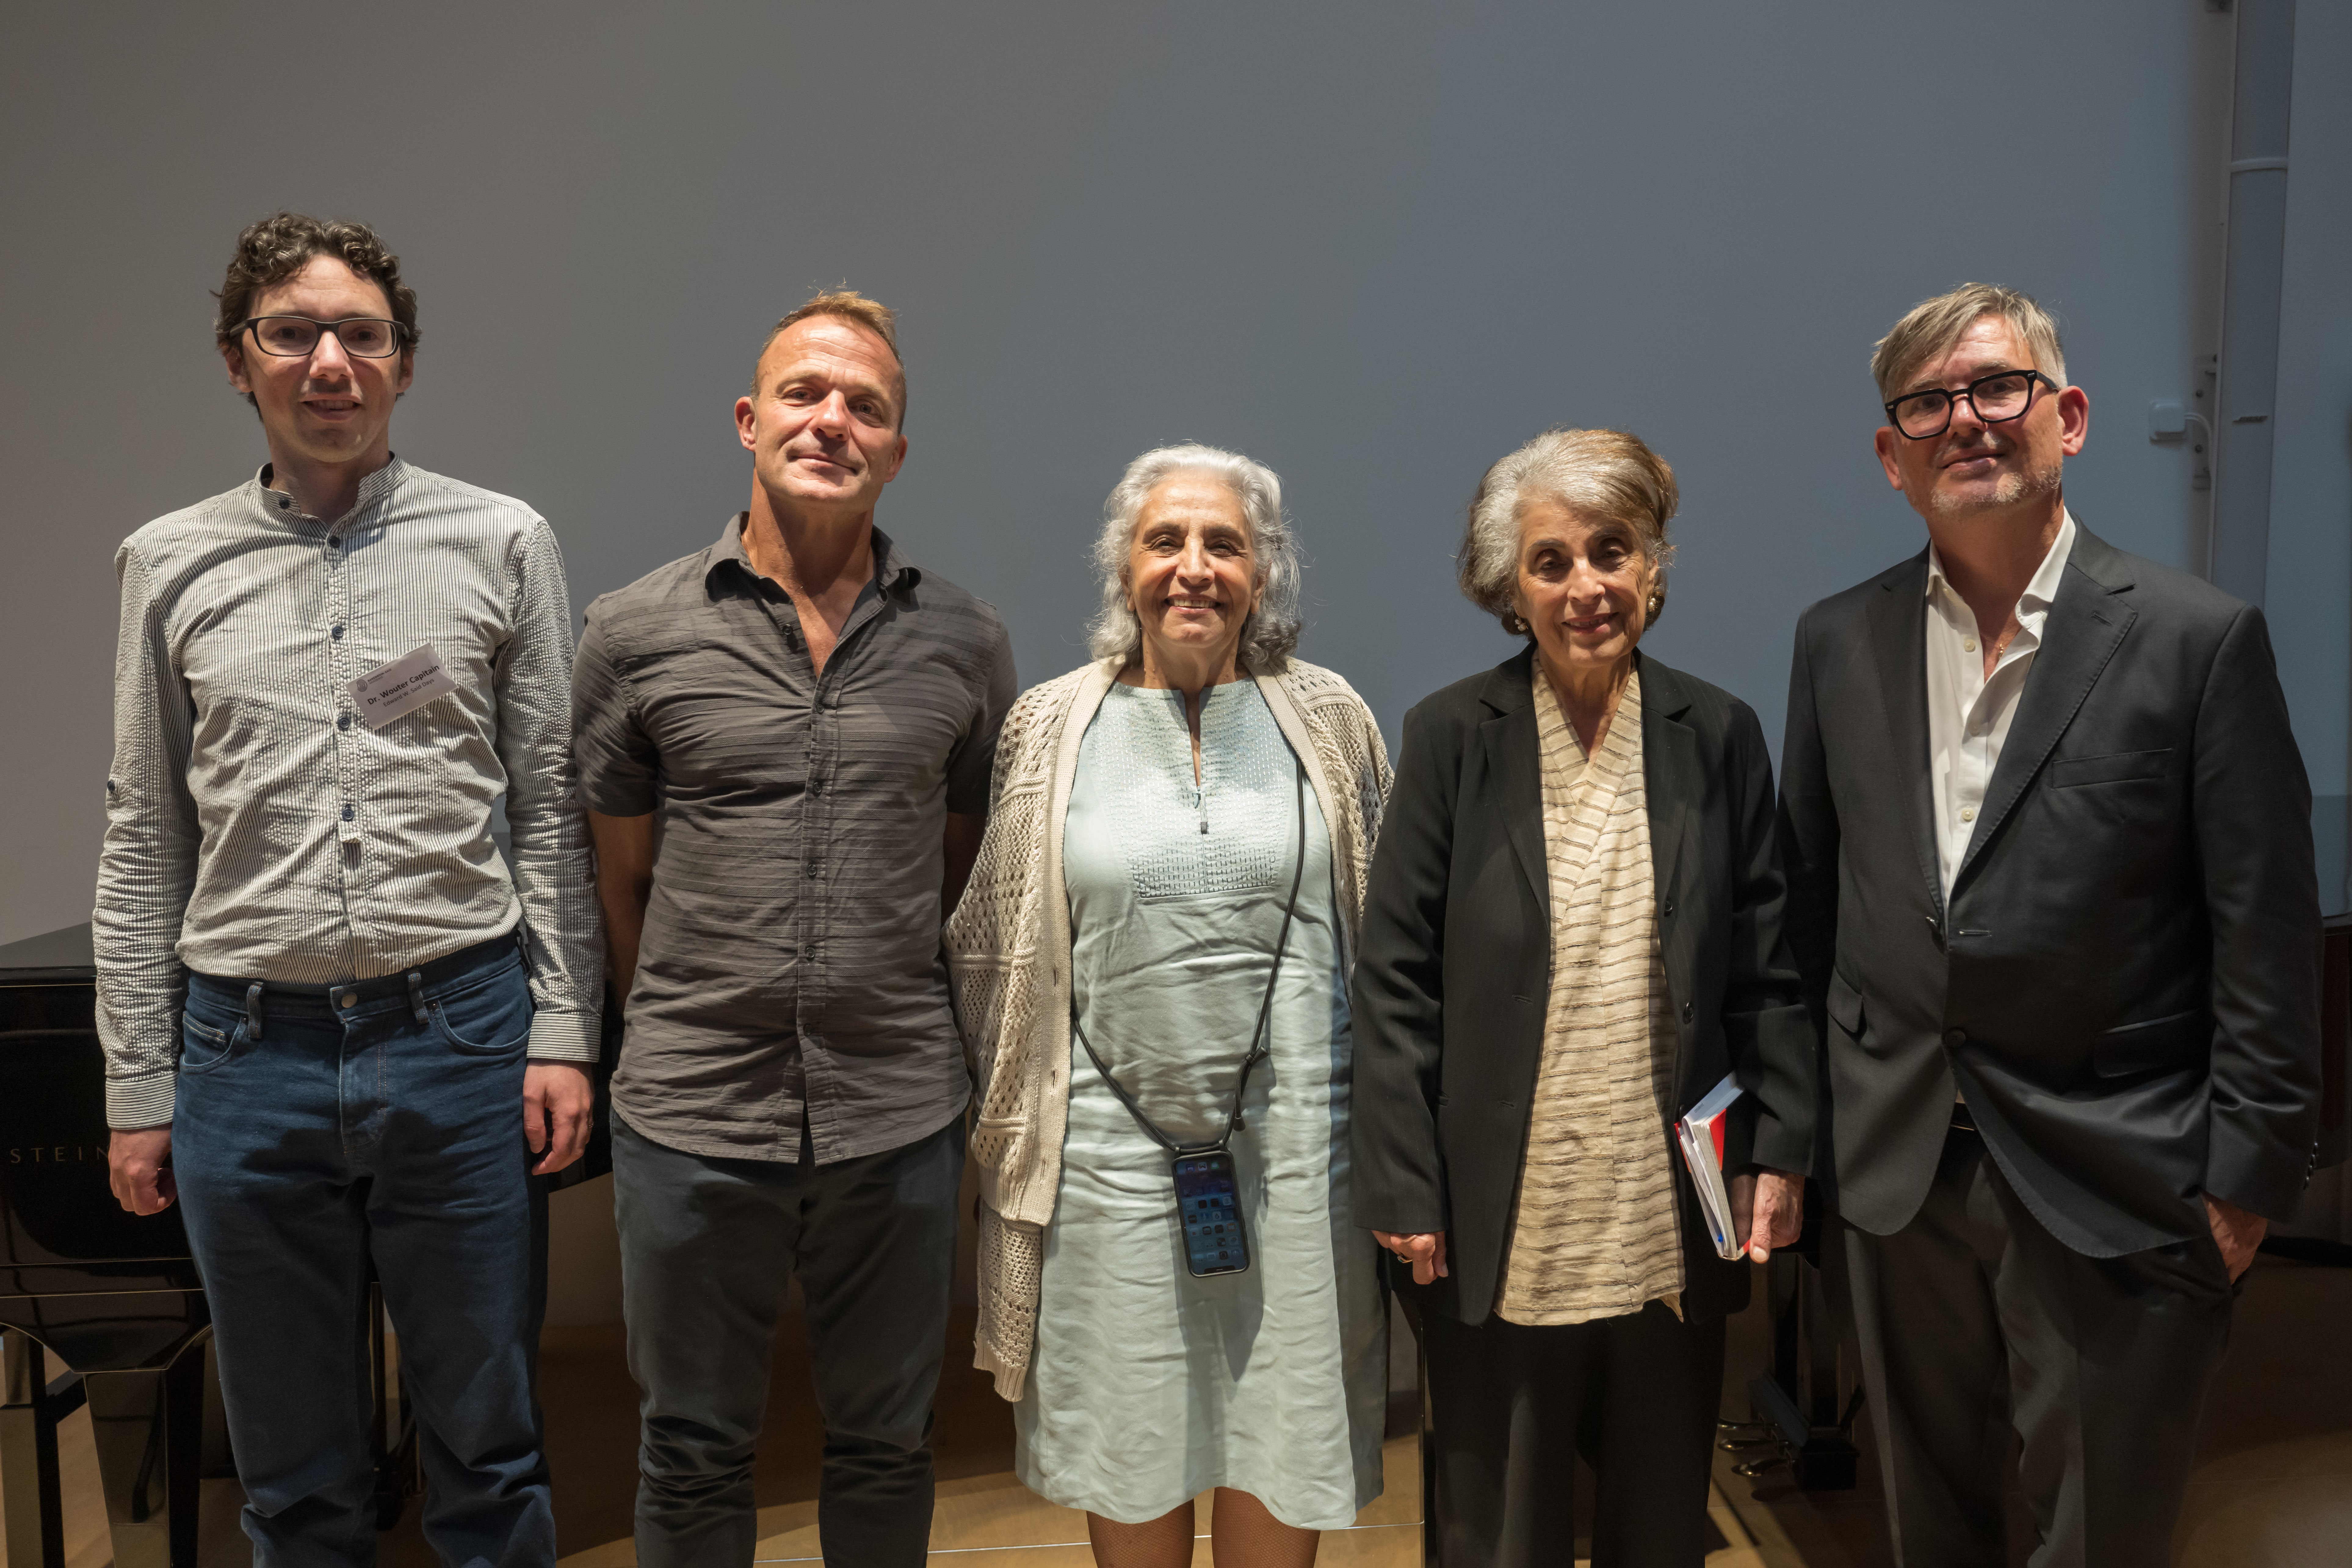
<point x="1271" y="633"/>
<point x="1930" y="329"/>
<point x="1608" y="472"/>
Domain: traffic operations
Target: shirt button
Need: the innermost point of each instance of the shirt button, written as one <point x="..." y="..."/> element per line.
<point x="283" y="502"/>
<point x="347" y="814"/>
<point x="1669" y="909"/>
<point x="1970" y="644"/>
<point x="1686" y="1011"/>
<point x="334" y="541"/>
<point x="343" y="721"/>
<point x="1968" y="813"/>
<point x="1956" y="1038"/>
<point x="336" y="633"/>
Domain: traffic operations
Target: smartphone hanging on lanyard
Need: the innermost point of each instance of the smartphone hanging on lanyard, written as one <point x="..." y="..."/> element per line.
<point x="1209" y="1200"/>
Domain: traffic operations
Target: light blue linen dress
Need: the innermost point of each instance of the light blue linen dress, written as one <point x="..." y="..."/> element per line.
<point x="1148" y="1385"/>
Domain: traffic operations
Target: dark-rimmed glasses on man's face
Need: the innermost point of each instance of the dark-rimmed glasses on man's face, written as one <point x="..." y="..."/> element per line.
<point x="2003" y="396"/>
<point x="291" y="337"/>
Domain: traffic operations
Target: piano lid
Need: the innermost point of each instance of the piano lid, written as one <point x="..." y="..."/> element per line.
<point x="53" y="957"/>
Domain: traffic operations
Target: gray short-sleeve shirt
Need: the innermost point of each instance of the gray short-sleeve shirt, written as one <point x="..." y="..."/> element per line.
<point x="790" y="971"/>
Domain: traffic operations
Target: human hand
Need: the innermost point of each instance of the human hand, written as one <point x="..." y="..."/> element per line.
<point x="559" y="1106"/>
<point x="138" y="1169"/>
<point x="1425" y="1250"/>
<point x="2236" y="1231"/>
<point x="1768" y="1210"/>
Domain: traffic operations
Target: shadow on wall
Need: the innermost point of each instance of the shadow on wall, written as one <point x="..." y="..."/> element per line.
<point x="2331" y="843"/>
<point x="583" y="1254"/>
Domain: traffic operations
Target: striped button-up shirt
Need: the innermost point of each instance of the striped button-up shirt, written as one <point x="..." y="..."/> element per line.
<point x="789" y="979"/>
<point x="257" y="828"/>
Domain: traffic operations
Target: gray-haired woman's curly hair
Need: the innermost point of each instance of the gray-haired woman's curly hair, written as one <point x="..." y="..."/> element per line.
<point x="1606" y="472"/>
<point x="1271" y="632"/>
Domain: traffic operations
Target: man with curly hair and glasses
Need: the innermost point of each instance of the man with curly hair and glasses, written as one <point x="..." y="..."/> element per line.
<point x="326" y="1003"/>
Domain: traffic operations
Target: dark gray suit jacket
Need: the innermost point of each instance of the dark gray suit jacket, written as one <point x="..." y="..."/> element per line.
<point x="1455" y="968"/>
<point x="2127" y="983"/>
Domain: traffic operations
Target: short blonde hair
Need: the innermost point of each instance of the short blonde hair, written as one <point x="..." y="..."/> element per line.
<point x="1930" y="329"/>
<point x="848" y="304"/>
<point x="1606" y="472"/>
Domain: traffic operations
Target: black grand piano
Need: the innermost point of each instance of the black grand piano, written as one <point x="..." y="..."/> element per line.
<point x="112" y="1296"/>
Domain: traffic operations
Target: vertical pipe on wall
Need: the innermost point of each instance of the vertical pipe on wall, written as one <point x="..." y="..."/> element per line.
<point x="2255" y="261"/>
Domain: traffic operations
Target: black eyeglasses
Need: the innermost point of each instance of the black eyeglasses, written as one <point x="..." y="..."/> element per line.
<point x="362" y="337"/>
<point x="2003" y="396"/>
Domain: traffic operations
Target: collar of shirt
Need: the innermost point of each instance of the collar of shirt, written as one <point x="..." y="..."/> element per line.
<point x="1968" y="712"/>
<point x="278" y="506"/>
<point x="2033" y="605"/>
<point x="892" y="571"/>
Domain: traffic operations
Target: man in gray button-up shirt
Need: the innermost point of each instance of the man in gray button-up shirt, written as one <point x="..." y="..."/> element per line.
<point x="785" y="741"/>
<point x="325" y="1004"/>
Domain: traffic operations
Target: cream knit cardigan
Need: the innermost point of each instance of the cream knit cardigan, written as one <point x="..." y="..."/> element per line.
<point x="1008" y="949"/>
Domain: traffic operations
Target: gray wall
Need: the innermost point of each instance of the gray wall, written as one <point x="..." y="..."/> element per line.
<point x="1374" y="246"/>
<point x="2310" y="593"/>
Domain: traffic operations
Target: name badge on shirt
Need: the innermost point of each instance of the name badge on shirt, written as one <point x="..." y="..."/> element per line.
<point x="402" y="686"/>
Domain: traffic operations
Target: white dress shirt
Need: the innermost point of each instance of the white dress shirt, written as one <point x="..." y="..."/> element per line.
<point x="1969" y="715"/>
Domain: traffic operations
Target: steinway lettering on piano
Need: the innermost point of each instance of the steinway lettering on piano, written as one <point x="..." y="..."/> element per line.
<point x="57" y="1153"/>
<point x="61" y="1229"/>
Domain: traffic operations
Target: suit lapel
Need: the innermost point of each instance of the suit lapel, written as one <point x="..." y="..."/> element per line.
<point x="1898" y="648"/>
<point x="2085" y="625"/>
<point x="1515" y="767"/>
<point x="1671" y="779"/>
<point x="1675" y="788"/>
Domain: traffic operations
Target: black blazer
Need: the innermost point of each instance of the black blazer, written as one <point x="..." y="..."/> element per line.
<point x="1455" y="968"/>
<point x="2127" y="983"/>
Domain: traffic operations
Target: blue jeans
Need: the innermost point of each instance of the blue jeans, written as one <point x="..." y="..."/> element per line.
<point x="707" y="1247"/>
<point x="318" y="1127"/>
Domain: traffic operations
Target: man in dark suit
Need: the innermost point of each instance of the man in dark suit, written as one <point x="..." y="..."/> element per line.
<point x="2052" y="893"/>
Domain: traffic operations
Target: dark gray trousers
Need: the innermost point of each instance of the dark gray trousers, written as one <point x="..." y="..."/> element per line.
<point x="1975" y="1320"/>
<point x="707" y="1247"/>
<point x="1512" y="1406"/>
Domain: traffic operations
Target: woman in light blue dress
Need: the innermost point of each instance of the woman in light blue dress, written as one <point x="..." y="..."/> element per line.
<point x="1214" y="802"/>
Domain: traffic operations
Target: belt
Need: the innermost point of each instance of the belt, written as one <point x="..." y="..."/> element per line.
<point x="410" y="982"/>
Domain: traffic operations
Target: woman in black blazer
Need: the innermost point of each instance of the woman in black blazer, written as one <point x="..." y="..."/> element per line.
<point x="1572" y="933"/>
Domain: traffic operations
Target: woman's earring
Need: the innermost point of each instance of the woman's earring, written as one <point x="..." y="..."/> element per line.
<point x="1654" y="601"/>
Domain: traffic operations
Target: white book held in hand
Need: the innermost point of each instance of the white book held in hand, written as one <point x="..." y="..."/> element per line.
<point x="1700" y="1133"/>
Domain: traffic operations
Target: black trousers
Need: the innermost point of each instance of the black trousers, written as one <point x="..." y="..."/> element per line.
<point x="1973" y="1318"/>
<point x="1511" y="1407"/>
<point x="706" y="1246"/>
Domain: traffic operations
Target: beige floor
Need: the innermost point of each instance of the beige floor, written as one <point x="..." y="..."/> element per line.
<point x="992" y="1520"/>
<point x="2273" y="1487"/>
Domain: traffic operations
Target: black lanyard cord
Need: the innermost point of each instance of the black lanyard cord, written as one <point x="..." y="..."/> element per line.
<point x="1261" y="1042"/>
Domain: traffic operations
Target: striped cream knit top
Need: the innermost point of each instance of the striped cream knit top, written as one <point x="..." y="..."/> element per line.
<point x="1593" y="1228"/>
